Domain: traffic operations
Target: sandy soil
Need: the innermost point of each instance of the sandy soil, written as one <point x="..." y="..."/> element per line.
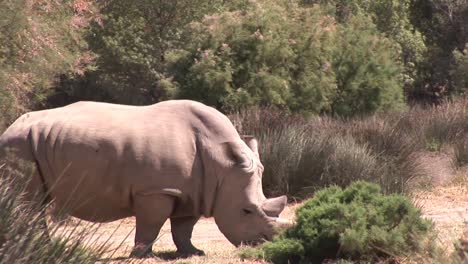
<point x="448" y="208"/>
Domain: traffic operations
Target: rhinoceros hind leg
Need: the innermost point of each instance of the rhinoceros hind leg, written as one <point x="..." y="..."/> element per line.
<point x="181" y="228"/>
<point x="37" y="194"/>
<point x="151" y="211"/>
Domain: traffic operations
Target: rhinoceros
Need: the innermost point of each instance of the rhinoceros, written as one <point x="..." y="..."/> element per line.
<point x="176" y="159"/>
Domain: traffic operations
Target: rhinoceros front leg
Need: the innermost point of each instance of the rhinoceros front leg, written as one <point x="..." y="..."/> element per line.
<point x="151" y="211"/>
<point x="181" y="228"/>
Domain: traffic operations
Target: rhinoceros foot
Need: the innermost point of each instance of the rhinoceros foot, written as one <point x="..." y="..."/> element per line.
<point x="189" y="252"/>
<point x="141" y="251"/>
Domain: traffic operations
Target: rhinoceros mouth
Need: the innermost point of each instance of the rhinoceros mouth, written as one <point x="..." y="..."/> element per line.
<point x="256" y="242"/>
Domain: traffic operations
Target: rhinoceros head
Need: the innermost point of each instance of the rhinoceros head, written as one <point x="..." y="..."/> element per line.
<point x="242" y="212"/>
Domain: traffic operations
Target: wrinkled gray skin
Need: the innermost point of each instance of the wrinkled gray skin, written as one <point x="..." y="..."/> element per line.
<point x="176" y="159"/>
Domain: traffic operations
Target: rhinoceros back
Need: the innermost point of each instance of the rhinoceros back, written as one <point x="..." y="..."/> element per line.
<point x="93" y="157"/>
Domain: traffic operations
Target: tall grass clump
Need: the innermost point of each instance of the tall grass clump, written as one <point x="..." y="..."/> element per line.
<point x="302" y="161"/>
<point x="301" y="155"/>
<point x="24" y="237"/>
<point x="358" y="223"/>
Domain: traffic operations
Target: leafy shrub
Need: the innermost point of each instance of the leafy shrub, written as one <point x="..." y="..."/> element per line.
<point x="368" y="77"/>
<point x="391" y="18"/>
<point x="281" y="54"/>
<point x="130" y="42"/>
<point x="460" y="78"/>
<point x="356" y="223"/>
<point x="38" y="40"/>
<point x="267" y="54"/>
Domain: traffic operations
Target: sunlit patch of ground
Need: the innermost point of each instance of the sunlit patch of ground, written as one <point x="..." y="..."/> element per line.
<point x="447" y="206"/>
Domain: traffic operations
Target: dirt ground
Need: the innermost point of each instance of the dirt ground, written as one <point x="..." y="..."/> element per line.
<point x="447" y="206"/>
<point x="118" y="236"/>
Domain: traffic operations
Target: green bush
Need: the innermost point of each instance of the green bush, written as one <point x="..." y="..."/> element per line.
<point x="357" y="223"/>
<point x="38" y="41"/>
<point x="390" y="17"/>
<point x="281" y="54"/>
<point x="266" y="54"/>
<point x="130" y="41"/>
<point x="368" y="75"/>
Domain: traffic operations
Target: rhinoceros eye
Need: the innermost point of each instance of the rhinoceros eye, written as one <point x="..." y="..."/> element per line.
<point x="247" y="211"/>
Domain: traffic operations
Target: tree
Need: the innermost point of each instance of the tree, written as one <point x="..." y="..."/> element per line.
<point x="130" y="43"/>
<point x="38" y="39"/>
<point x="443" y="24"/>
<point x="392" y="18"/>
<point x="368" y="77"/>
<point x="267" y="54"/>
<point x="291" y="57"/>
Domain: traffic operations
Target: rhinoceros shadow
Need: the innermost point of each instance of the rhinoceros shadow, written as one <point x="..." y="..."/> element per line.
<point x="170" y="255"/>
<point x="162" y="255"/>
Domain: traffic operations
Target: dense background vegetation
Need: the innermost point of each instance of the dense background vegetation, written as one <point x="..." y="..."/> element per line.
<point x="312" y="56"/>
<point x="305" y="60"/>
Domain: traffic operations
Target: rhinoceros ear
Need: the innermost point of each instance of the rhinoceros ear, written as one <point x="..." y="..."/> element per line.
<point x="251" y="142"/>
<point x="240" y="157"/>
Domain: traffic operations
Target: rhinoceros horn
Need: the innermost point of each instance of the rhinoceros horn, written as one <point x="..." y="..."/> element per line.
<point x="274" y="206"/>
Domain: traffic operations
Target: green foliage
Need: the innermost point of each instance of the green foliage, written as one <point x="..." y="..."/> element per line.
<point x="288" y="56"/>
<point x="368" y="77"/>
<point x="130" y="42"/>
<point x="459" y="72"/>
<point x="433" y="145"/>
<point x="268" y="54"/>
<point x="284" y="251"/>
<point x="357" y="223"/>
<point x="391" y="18"/>
<point x="443" y="25"/>
<point x="311" y="56"/>
<point x="38" y="40"/>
